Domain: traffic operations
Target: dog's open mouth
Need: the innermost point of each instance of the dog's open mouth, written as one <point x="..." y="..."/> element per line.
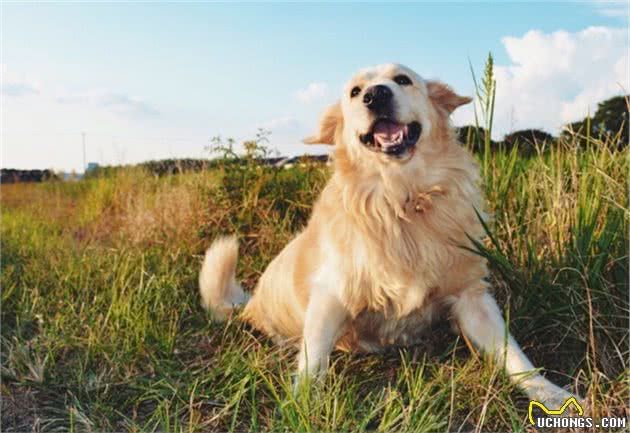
<point x="391" y="138"/>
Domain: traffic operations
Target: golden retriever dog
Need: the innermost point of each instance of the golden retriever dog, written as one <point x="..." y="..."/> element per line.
<point x="384" y="251"/>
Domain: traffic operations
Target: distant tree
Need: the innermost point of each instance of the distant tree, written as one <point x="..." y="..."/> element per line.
<point x="474" y="137"/>
<point x="11" y="175"/>
<point x="574" y="128"/>
<point x="528" y="140"/>
<point x="610" y="119"/>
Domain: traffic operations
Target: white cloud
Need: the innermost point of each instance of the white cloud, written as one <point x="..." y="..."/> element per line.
<point x="311" y="93"/>
<point x="15" y="85"/>
<point x="19" y="85"/>
<point x="116" y="102"/>
<point x="281" y="124"/>
<point x="18" y="89"/>
<point x="556" y="78"/>
<point x="612" y="9"/>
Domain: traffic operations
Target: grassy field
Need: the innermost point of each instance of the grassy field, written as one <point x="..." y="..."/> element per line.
<point x="102" y="327"/>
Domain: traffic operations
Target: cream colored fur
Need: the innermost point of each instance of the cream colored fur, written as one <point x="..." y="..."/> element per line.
<point x="374" y="265"/>
<point x="219" y="290"/>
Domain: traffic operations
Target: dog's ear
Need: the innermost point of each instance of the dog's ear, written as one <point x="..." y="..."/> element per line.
<point x="444" y="97"/>
<point x="329" y="123"/>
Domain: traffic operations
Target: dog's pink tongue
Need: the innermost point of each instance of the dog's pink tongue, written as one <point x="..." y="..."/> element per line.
<point x="387" y="132"/>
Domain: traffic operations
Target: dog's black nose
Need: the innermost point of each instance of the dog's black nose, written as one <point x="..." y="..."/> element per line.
<point x="377" y="97"/>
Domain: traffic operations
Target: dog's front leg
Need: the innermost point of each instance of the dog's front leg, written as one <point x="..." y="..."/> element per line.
<point x="480" y="320"/>
<point x="323" y="324"/>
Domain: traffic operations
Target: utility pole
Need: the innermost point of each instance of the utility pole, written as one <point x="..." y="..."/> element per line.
<point x="84" y="164"/>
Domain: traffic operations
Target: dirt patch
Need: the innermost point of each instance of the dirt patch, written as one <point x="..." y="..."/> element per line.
<point x="19" y="409"/>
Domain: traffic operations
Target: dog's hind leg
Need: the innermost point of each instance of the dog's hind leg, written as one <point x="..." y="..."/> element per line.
<point x="479" y="319"/>
<point x="323" y="325"/>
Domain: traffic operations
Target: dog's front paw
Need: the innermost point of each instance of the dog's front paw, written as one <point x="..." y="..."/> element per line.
<point x="551" y="396"/>
<point x="304" y="382"/>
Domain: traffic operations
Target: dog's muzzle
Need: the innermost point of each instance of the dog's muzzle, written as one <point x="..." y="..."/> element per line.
<point x="391" y="138"/>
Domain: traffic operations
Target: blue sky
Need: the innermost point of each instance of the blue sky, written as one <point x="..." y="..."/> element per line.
<point x="150" y="81"/>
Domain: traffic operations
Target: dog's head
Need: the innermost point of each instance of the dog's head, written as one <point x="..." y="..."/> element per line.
<point x="387" y="111"/>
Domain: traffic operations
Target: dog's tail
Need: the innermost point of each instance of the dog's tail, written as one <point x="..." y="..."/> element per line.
<point x="220" y="293"/>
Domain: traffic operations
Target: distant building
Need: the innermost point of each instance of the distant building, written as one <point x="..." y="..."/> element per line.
<point x="70" y="176"/>
<point x="91" y="166"/>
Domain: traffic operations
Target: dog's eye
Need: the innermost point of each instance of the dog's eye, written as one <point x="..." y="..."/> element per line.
<point x="355" y="91"/>
<point x="402" y="80"/>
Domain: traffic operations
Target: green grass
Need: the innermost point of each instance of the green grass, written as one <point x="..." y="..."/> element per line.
<point x="102" y="328"/>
